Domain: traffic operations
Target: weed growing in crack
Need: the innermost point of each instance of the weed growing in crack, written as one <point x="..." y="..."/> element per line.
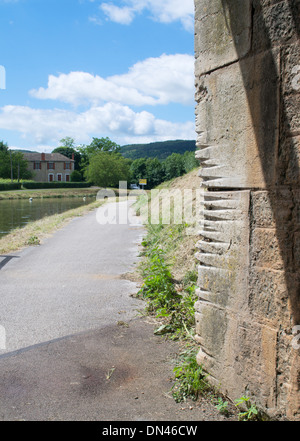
<point x="190" y="379"/>
<point x="222" y="406"/>
<point x="248" y="411"/>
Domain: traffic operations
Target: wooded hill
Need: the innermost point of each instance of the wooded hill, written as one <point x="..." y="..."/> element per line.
<point x="160" y="150"/>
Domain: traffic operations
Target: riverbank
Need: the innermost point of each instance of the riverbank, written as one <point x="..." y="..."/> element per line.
<point x="35" y="232"/>
<point x="49" y="193"/>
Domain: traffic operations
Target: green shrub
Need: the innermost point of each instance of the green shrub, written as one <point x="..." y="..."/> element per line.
<point x="6" y="186"/>
<point x="164" y="300"/>
<point x="33" y="240"/>
<point x="76" y="176"/>
<point x="158" y="285"/>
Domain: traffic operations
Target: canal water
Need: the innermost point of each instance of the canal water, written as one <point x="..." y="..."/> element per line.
<point x="19" y="212"/>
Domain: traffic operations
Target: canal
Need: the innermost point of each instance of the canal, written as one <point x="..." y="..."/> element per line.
<point x="17" y="213"/>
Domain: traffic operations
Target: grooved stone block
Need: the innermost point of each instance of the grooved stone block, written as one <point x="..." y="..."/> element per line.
<point x="238" y="132"/>
<point x="223" y="248"/>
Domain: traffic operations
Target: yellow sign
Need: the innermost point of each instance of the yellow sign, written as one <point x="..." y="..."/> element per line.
<point x="143" y="181"/>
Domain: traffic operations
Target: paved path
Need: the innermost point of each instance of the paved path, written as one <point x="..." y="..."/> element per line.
<point x="71" y="283"/>
<point x="76" y="349"/>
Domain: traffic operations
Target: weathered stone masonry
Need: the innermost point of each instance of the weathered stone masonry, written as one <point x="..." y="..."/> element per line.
<point x="247" y="73"/>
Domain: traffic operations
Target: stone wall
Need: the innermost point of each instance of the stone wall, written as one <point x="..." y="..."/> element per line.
<point x="247" y="76"/>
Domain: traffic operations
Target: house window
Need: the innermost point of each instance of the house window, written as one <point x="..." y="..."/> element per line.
<point x="67" y="166"/>
<point x="37" y="165"/>
<point x="59" y="177"/>
<point x="50" y="177"/>
<point x="51" y="166"/>
<point x="67" y="178"/>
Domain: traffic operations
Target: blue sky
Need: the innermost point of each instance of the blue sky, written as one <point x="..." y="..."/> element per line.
<point x="92" y="68"/>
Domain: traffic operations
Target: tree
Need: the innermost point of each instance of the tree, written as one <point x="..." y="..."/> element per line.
<point x="106" y="169"/>
<point x="68" y="149"/>
<point x="98" y="145"/>
<point x="20" y="166"/>
<point x="4" y="161"/>
<point x="3" y="147"/>
<point x="173" y="166"/>
<point x="103" y="145"/>
<point x="138" y="170"/>
<point x="154" y="172"/>
<point x="189" y="161"/>
<point x="13" y="164"/>
<point x="76" y="176"/>
<point x="68" y="142"/>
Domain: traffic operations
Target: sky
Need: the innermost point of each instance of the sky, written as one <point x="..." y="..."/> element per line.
<point x="122" y="69"/>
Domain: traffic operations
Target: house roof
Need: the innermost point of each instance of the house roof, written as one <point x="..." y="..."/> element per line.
<point x="50" y="157"/>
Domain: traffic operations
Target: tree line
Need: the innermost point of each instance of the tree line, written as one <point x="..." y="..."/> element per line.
<point x="160" y="150"/>
<point x="157" y="171"/>
<point x="102" y="163"/>
<point x="12" y="164"/>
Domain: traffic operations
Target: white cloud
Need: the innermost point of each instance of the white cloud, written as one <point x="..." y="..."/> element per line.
<point x="83" y="88"/>
<point x="120" y="123"/>
<point x="123" y="15"/>
<point x="164" y="11"/>
<point x="95" y="20"/>
<point x="163" y="80"/>
<point x="166" y="79"/>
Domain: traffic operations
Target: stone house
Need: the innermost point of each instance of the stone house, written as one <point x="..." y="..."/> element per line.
<point x="49" y="167"/>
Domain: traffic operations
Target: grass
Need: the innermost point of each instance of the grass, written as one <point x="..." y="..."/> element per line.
<point x="169" y="299"/>
<point x="35" y="232"/>
<point x="169" y="278"/>
<point x="171" y="302"/>
<point x="169" y="275"/>
<point x="8" y="180"/>
<point x="190" y="379"/>
<point x="53" y="193"/>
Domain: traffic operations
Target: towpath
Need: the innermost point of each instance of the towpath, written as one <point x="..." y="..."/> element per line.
<point x="74" y="345"/>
